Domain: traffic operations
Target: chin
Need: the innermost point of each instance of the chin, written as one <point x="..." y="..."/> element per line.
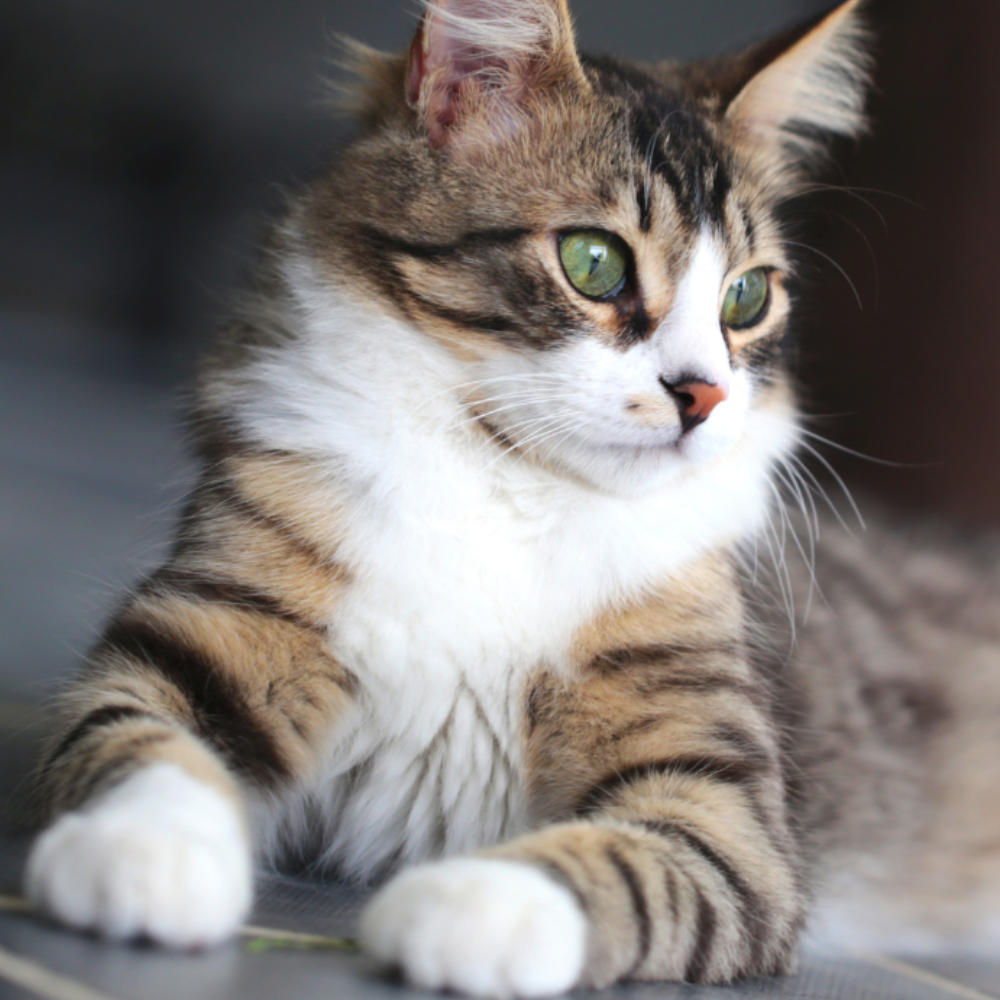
<point x="637" y="469"/>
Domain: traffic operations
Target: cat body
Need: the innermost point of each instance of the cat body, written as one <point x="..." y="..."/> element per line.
<point x="473" y="569"/>
<point x="472" y="573"/>
<point x="897" y="713"/>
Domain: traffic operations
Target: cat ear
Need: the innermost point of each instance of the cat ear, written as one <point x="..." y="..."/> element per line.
<point x="805" y="86"/>
<point x="475" y="66"/>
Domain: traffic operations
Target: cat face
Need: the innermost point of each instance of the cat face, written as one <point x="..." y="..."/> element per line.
<point x="597" y="244"/>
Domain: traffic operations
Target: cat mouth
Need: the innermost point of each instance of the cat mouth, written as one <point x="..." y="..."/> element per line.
<point x="671" y="444"/>
<point x="677" y="447"/>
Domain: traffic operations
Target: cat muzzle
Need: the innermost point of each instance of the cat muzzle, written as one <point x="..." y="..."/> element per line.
<point x="695" y="399"/>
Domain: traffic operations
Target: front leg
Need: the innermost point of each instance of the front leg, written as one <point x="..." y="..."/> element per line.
<point x="663" y="850"/>
<point x="212" y="686"/>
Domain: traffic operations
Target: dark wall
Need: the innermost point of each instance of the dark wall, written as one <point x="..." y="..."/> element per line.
<point x="916" y="372"/>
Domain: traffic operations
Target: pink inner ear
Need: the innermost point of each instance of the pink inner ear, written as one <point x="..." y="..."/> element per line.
<point x="418" y="68"/>
<point x="449" y="65"/>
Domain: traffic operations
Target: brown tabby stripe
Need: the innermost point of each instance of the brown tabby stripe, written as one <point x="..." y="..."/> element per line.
<point x="648" y="134"/>
<point x="722" y="769"/>
<point x="749" y="229"/>
<point x="706" y="923"/>
<point x="229" y="494"/>
<point x="107" y="715"/>
<point x="718" y="194"/>
<point x="120" y="765"/>
<point x="635" y="325"/>
<point x="230" y="593"/>
<point x="636" y="727"/>
<point x="753" y="908"/>
<point x="472" y="321"/>
<point x="499" y="326"/>
<point x="534" y="310"/>
<point x="653" y="684"/>
<point x="224" y="717"/>
<point x="645" y="202"/>
<point x="744" y="743"/>
<point x="768" y="352"/>
<point x="384" y="247"/>
<point x="672" y="894"/>
<point x="640" y="907"/>
<point x="699" y="178"/>
<point x="558" y="873"/>
<point x="658" y="654"/>
<point x="476" y="239"/>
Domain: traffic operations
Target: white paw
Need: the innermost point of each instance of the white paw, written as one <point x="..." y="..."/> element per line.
<point x="478" y="926"/>
<point x="161" y="856"/>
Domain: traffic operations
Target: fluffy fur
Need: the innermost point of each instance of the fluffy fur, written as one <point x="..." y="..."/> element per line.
<point x="466" y="572"/>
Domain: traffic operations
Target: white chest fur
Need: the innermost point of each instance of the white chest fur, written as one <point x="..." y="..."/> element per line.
<point x="469" y="574"/>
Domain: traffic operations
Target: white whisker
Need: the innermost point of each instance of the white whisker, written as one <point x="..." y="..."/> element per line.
<point x="858" y="454"/>
<point x="839" y="479"/>
<point x="829" y="259"/>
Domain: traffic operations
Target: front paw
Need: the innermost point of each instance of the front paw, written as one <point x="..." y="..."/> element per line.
<point x="484" y="927"/>
<point x="162" y="856"/>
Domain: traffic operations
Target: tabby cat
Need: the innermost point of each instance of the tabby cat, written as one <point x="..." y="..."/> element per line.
<point x="470" y="572"/>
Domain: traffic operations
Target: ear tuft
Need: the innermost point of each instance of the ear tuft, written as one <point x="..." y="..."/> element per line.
<point x="369" y="87"/>
<point x="813" y="88"/>
<point x="485" y="60"/>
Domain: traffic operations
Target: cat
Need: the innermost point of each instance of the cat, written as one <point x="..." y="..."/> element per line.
<point x="466" y="598"/>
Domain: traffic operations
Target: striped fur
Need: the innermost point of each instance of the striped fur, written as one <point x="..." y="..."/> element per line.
<point x="661" y="764"/>
<point x="460" y="573"/>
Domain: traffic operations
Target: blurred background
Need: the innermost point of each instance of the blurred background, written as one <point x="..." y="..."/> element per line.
<point x="144" y="142"/>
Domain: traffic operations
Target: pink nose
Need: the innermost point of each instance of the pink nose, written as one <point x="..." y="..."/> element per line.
<point x="695" y="400"/>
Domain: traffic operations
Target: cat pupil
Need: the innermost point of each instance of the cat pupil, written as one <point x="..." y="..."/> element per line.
<point x="598" y="255"/>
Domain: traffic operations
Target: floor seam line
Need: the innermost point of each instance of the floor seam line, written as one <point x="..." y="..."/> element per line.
<point x="14" y="904"/>
<point x="923" y="976"/>
<point x="46" y="983"/>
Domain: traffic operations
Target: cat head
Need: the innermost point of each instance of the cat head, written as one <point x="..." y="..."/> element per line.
<point x="596" y="243"/>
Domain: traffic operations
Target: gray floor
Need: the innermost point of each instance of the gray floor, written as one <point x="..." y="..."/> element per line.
<point x="39" y="960"/>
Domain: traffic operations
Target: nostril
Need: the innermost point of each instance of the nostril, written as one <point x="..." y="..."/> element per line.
<point x="685" y="400"/>
<point x="695" y="399"/>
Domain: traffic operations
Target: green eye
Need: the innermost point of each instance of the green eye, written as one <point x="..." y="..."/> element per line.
<point x="746" y="299"/>
<point x="596" y="262"/>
